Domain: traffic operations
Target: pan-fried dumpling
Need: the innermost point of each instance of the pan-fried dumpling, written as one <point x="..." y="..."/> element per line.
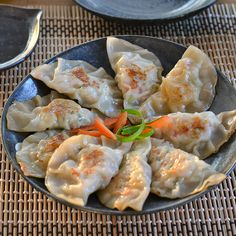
<point x="198" y="133"/>
<point x="131" y="186"/>
<point x="80" y="166"/>
<point x="138" y="71"/>
<point x="188" y="87"/>
<point x="92" y="87"/>
<point x="39" y="115"/>
<point x="35" y="151"/>
<point x="177" y="174"/>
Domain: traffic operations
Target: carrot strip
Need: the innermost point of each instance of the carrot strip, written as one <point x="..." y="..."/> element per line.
<point x="110" y="122"/>
<point x="146" y="130"/>
<point x="103" y="129"/>
<point x="127" y="122"/>
<point x="74" y="131"/>
<point x="85" y="128"/>
<point x="89" y="132"/>
<point x="88" y="127"/>
<point x="159" y="123"/>
<point x="122" y="119"/>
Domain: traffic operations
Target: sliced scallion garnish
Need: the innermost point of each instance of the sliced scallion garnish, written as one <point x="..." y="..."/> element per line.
<point x="147" y="134"/>
<point x="128" y="130"/>
<point x="131" y="137"/>
<point x="133" y="112"/>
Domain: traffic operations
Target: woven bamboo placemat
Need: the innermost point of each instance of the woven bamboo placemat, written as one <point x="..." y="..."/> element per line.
<point x="24" y="211"/>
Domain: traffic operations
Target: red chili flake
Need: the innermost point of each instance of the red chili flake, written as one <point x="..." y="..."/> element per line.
<point x="75" y="172"/>
<point x="80" y="74"/>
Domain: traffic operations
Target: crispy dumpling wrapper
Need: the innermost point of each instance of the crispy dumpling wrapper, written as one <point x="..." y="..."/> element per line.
<point x="201" y="134"/>
<point x="138" y="71"/>
<point x="36" y="150"/>
<point x="131" y="186"/>
<point x="188" y="87"/>
<point x="177" y="174"/>
<point x="41" y="113"/>
<point x="81" y="165"/>
<point x="91" y="87"/>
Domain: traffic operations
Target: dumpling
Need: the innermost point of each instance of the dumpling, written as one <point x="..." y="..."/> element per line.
<point x="91" y="87"/>
<point x="188" y="87"/>
<point x="42" y="113"/>
<point x="138" y="71"/>
<point x="35" y="151"/>
<point x="80" y="166"/>
<point x="177" y="174"/>
<point x="131" y="186"/>
<point x="198" y="133"/>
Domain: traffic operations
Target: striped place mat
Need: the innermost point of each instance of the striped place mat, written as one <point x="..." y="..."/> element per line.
<point x="25" y="211"/>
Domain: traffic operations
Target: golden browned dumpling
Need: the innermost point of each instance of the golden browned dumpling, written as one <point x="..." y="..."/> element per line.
<point x="36" y="150"/>
<point x="81" y="165"/>
<point x="91" y="87"/>
<point x="41" y="113"/>
<point x="198" y="133"/>
<point x="177" y="174"/>
<point x="138" y="71"/>
<point x="131" y="186"/>
<point x="188" y="87"/>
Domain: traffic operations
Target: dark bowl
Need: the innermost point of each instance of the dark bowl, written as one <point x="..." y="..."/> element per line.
<point x="19" y="32"/>
<point x="145" y="11"/>
<point x="94" y="52"/>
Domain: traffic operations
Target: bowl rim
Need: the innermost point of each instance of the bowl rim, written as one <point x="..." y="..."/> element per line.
<point x="204" y="5"/>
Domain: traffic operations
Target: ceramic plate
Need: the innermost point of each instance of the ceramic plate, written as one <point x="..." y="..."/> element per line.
<point x="94" y="52"/>
<point x="19" y="31"/>
<point x="144" y="10"/>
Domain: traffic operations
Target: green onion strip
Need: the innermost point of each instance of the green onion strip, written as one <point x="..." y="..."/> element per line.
<point x="148" y="134"/>
<point x="128" y="130"/>
<point x="133" y="136"/>
<point x="131" y="133"/>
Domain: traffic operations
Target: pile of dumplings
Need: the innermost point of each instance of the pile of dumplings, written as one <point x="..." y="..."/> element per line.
<point x="169" y="164"/>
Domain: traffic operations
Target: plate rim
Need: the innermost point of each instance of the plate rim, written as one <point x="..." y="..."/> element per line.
<point x="203" y="6"/>
<point x="32" y="37"/>
<point x="105" y="211"/>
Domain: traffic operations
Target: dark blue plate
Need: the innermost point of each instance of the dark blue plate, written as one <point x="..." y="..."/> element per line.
<point x="94" y="52"/>
<point x="141" y="11"/>
<point x="19" y="31"/>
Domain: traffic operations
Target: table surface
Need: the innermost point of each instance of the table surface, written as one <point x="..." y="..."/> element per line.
<point x="25" y="211"/>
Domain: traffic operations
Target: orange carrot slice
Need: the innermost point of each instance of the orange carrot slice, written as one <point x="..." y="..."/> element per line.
<point x="103" y="129"/>
<point x="74" y="131"/>
<point x="161" y="122"/>
<point x="146" y="130"/>
<point x="90" y="132"/>
<point x="88" y="127"/>
<point x="110" y="122"/>
<point x="122" y="119"/>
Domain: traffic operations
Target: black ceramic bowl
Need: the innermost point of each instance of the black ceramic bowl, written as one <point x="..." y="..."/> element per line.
<point x="145" y="11"/>
<point x="94" y="52"/>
